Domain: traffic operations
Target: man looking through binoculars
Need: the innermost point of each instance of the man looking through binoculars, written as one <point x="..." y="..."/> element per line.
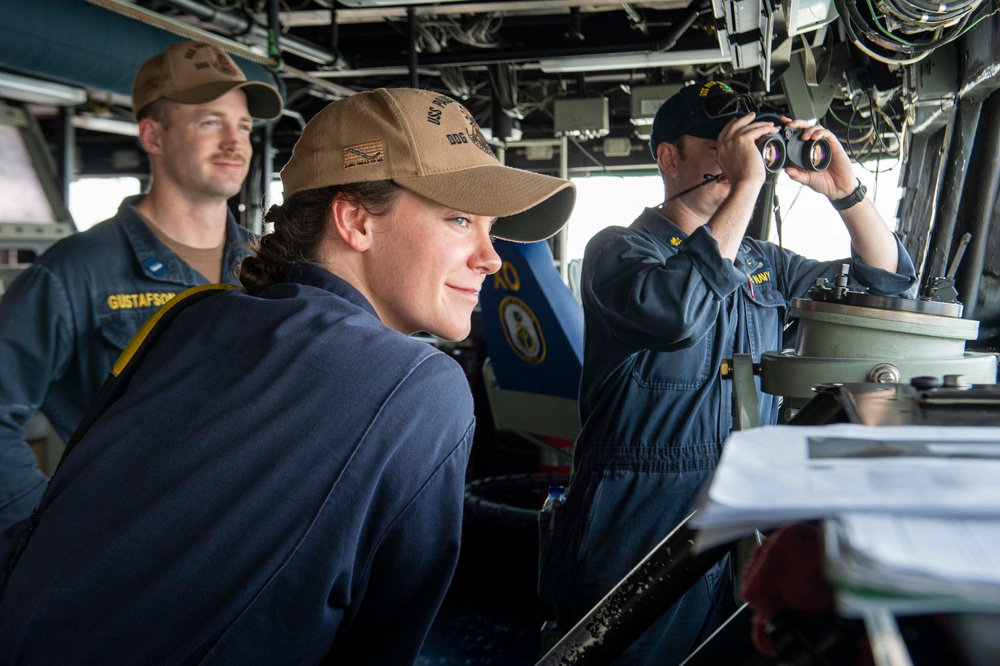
<point x="721" y="134"/>
<point x="665" y="300"/>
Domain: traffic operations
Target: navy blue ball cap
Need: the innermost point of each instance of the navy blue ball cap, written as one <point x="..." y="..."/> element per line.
<point x="697" y="110"/>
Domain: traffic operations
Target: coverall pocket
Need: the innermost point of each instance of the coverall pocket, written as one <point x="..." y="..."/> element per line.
<point x="685" y="369"/>
<point x="118" y="329"/>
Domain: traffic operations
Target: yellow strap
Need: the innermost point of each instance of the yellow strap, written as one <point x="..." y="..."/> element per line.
<point x="140" y="337"/>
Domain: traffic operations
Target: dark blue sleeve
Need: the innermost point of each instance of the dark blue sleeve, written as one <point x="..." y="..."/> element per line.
<point x="883" y="283"/>
<point x="36" y="340"/>
<point x="408" y="573"/>
<point x="801" y="272"/>
<point x="653" y="296"/>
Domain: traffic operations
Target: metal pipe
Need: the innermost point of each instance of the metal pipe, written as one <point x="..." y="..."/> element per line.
<point x="378" y="14"/>
<point x="642" y="597"/>
<point x="971" y="270"/>
<point x="68" y="152"/>
<point x="884" y="638"/>
<point x="623" y="57"/>
<point x="636" y="19"/>
<point x="239" y="24"/>
<point x="176" y="27"/>
<point x="335" y="34"/>
<point x="273" y="30"/>
<point x="520" y="143"/>
<point x="562" y="237"/>
<point x="575" y="24"/>
<point x="963" y="137"/>
<point x="411" y="24"/>
<point x="694" y="10"/>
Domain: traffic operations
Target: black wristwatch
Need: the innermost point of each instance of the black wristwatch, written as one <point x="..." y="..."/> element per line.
<point x="851" y="199"/>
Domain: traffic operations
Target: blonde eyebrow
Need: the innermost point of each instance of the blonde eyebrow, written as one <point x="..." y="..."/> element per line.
<point x="218" y="114"/>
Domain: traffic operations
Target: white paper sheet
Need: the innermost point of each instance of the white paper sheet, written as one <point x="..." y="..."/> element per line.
<point x="913" y="563"/>
<point x="776" y="474"/>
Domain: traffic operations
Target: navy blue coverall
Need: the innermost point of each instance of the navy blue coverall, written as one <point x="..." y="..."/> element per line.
<point x="662" y="309"/>
<point x="65" y="320"/>
<point x="282" y="483"/>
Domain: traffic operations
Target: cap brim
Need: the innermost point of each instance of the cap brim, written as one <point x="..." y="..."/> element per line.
<point x="528" y="206"/>
<point x="263" y="101"/>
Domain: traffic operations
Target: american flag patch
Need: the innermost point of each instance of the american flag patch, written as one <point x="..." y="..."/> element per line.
<point x="360" y="154"/>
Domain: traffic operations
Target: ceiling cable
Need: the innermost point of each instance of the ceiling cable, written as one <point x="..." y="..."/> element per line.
<point x="198" y="34"/>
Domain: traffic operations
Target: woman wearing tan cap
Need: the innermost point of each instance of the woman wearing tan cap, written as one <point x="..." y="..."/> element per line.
<point x="289" y="462"/>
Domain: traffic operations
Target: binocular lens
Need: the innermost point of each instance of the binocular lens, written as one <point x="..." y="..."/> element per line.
<point x="819" y="154"/>
<point x="772" y="149"/>
<point x="787" y="146"/>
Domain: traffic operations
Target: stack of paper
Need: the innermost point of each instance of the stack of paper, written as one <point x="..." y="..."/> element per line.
<point x="913" y="564"/>
<point x="772" y="475"/>
<point x="912" y="513"/>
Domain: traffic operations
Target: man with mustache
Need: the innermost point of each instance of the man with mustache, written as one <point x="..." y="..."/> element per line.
<point x="66" y="319"/>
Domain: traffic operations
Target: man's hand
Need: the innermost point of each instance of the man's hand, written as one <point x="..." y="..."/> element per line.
<point x="838" y="180"/>
<point x="738" y="155"/>
<point x="739" y="158"/>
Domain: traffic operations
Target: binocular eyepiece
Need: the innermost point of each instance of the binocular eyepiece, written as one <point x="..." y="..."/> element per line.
<point x="787" y="146"/>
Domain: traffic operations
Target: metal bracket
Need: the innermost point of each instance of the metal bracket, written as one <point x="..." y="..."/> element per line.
<point x="746" y="407"/>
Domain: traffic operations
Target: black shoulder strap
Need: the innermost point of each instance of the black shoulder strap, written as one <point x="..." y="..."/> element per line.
<point x="113" y="388"/>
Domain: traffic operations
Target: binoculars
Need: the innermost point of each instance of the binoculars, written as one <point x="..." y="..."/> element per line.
<point x="788" y="147"/>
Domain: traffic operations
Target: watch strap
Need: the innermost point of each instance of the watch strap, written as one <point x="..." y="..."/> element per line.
<point x="851" y="199"/>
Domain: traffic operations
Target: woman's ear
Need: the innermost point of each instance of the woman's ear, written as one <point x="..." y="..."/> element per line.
<point x="351" y="222"/>
<point x="666" y="158"/>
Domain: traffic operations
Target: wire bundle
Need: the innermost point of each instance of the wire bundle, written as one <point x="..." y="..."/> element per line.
<point x="434" y="34"/>
<point x="917" y="16"/>
<point x="864" y="138"/>
<point x="903" y="32"/>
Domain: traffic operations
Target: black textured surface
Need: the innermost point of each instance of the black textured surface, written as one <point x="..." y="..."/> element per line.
<point x="491" y="615"/>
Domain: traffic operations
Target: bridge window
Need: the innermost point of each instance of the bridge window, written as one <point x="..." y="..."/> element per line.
<point x="94" y="199"/>
<point x="810" y="226"/>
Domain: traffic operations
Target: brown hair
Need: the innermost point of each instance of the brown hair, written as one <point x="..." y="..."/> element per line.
<point x="157" y="110"/>
<point x="299" y="228"/>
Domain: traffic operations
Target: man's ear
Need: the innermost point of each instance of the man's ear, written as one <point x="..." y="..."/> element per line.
<point x="351" y="222"/>
<point x="666" y="158"/>
<point x="151" y="136"/>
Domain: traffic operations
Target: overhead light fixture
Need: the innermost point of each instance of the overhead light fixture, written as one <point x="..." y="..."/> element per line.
<point x="106" y="125"/>
<point x="37" y="91"/>
<point x="371" y="71"/>
<point x="537" y="153"/>
<point x="617" y="146"/>
<point x="599" y="63"/>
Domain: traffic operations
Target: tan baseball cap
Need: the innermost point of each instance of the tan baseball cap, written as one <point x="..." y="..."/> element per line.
<point x="431" y="145"/>
<point x="195" y="73"/>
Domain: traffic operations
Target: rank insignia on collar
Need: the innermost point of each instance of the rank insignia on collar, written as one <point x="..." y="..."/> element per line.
<point x="675" y="241"/>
